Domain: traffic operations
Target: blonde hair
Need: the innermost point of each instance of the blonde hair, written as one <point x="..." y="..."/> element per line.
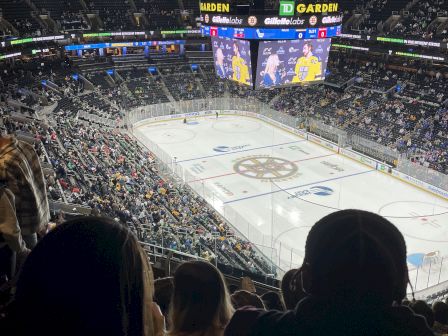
<point x="136" y="268"/>
<point x="148" y="294"/>
<point x="221" y="55"/>
<point x="271" y="64"/>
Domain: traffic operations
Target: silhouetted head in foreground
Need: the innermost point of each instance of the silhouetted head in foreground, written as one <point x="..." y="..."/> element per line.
<point x="420" y="307"/>
<point x="440" y="310"/>
<point x="291" y="286"/>
<point x="89" y="276"/>
<point x="200" y="302"/>
<point x="163" y="290"/>
<point x="273" y="301"/>
<point x="244" y="298"/>
<point x="357" y="258"/>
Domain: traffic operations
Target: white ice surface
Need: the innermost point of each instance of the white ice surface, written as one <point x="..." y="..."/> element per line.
<point x="265" y="212"/>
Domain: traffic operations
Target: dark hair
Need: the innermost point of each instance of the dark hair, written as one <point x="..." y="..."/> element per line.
<point x="421" y="308"/>
<point x="356" y="256"/>
<point x="163" y="290"/>
<point x="291" y="286"/>
<point x="273" y="301"/>
<point x="232" y="288"/>
<point x="200" y="300"/>
<point x="440" y="310"/>
<point x="89" y="276"/>
<point x="309" y="44"/>
<point x="405" y="302"/>
<point x="243" y="298"/>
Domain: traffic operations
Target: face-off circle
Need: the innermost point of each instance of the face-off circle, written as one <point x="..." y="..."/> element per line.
<point x="172" y="135"/>
<point x="236" y="126"/>
<point x="265" y="168"/>
<point x="424" y="221"/>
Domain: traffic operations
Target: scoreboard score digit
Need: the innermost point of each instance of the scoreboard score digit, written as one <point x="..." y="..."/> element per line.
<point x="322" y="32"/>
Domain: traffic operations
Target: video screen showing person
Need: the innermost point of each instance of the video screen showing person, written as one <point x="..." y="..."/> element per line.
<point x="232" y="59"/>
<point x="291" y="62"/>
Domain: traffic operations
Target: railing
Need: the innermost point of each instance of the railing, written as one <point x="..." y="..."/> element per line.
<point x="347" y="138"/>
<point x="422" y="276"/>
<point x="220" y="104"/>
<point x="422" y="173"/>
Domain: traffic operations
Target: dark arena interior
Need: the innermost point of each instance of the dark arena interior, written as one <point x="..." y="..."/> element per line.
<point x="224" y="167"/>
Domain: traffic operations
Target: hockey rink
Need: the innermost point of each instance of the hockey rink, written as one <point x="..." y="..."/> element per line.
<point x="273" y="186"/>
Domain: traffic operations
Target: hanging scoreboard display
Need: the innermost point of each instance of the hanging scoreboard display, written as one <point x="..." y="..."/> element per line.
<point x="288" y="45"/>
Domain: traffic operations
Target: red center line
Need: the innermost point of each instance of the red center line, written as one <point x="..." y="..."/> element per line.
<point x="212" y="177"/>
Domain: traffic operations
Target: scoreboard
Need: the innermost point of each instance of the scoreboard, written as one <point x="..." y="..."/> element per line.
<point x="284" y="46"/>
<point x="290" y="21"/>
<point x="271" y="33"/>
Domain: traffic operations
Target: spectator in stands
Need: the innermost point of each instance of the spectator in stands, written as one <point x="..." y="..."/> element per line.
<point x="200" y="304"/>
<point x="89" y="276"/>
<point x="12" y="246"/>
<point x="440" y="310"/>
<point x="353" y="271"/>
<point x="163" y="290"/>
<point x="233" y="288"/>
<point x="406" y="303"/>
<point x="244" y="298"/>
<point x="273" y="301"/>
<point x="21" y="172"/>
<point x="291" y="287"/>
<point x="420" y="307"/>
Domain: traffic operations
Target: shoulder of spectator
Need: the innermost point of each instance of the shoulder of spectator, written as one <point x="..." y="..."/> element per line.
<point x="250" y="321"/>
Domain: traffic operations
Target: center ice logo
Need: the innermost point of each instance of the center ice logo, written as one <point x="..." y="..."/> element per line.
<point x="226" y="149"/>
<point x="317" y="190"/>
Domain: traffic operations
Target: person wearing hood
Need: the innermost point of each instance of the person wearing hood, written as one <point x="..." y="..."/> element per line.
<point x="354" y="275"/>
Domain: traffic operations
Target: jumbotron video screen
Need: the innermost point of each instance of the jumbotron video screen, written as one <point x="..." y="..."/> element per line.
<point x="232" y="59"/>
<point x="288" y="62"/>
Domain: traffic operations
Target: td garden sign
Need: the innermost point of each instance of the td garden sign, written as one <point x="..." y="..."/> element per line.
<point x="289" y="8"/>
<point x="290" y="15"/>
<point x="214" y="7"/>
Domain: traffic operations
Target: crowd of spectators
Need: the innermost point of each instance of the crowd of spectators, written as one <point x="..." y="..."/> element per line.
<point x="108" y="172"/>
<point x="162" y="14"/>
<point x="402" y="109"/>
<point x="105" y="169"/>
<point x="423" y="19"/>
<point x="353" y="282"/>
<point x="419" y="19"/>
<point x="411" y="120"/>
<point x="72" y="21"/>
<point x="418" y="22"/>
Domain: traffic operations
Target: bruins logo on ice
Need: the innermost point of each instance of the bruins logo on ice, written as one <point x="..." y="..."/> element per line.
<point x="266" y="168"/>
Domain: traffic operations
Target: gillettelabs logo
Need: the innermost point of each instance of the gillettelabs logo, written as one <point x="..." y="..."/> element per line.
<point x="316" y="190"/>
<point x="226" y="149"/>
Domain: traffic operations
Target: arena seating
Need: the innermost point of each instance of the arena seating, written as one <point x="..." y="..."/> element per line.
<point x="400" y="18"/>
<point x="376" y="17"/>
<point x="94" y="163"/>
<point x="18" y="13"/>
<point x="422" y="20"/>
<point x="115" y="14"/>
<point x="161" y="14"/>
<point x="67" y="13"/>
